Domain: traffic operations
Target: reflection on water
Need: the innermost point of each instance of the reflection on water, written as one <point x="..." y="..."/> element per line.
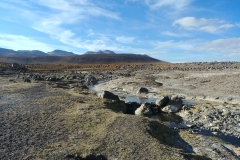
<point x="139" y="99"/>
<point x="176" y="121"/>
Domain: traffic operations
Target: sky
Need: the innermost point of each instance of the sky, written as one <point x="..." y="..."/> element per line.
<point x="169" y="30"/>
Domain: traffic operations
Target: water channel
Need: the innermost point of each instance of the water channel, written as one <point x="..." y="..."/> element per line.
<point x="176" y="121"/>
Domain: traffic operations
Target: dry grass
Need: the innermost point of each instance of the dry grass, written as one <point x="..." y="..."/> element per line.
<point x="95" y="67"/>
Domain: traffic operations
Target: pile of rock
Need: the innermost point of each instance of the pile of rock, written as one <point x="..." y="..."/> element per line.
<point x="90" y="80"/>
<point x="19" y="67"/>
<point x="164" y="104"/>
<point x="170" y="104"/>
<point x="225" y="119"/>
<point x="147" y="109"/>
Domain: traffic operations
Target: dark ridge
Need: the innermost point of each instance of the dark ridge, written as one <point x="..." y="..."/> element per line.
<point x="31" y="53"/>
<point x="79" y="59"/>
<point x="100" y="52"/>
<point x="58" y="52"/>
<point x="10" y="52"/>
<point x="5" y="52"/>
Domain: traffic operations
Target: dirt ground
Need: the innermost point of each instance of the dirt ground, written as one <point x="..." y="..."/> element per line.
<point x="63" y="120"/>
<point x="39" y="121"/>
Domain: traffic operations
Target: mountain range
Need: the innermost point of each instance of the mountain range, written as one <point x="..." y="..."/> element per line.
<point x="10" y="52"/>
<point x="60" y="56"/>
<point x="57" y="52"/>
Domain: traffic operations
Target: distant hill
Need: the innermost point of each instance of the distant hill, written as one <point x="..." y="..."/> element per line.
<point x="9" y="52"/>
<point x="100" y="52"/>
<point x="59" y="56"/>
<point x="80" y="59"/>
<point x="58" y="52"/>
<point x="31" y="53"/>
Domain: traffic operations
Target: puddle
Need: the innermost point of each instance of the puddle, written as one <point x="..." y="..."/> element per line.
<point x="139" y="99"/>
<point x="176" y="121"/>
<point x="153" y="100"/>
<point x="191" y="102"/>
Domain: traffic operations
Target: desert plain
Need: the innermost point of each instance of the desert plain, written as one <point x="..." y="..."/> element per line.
<point x="59" y="111"/>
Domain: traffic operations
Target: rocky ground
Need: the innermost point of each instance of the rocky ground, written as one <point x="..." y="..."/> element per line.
<point x="52" y="115"/>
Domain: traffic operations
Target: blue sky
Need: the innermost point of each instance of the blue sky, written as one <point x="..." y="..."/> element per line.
<point x="169" y="30"/>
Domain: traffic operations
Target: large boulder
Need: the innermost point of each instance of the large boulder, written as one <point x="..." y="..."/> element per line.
<point x="15" y="65"/>
<point x="27" y="80"/>
<point x="109" y="95"/>
<point x="162" y="102"/>
<point x="170" y="109"/>
<point x="132" y="107"/>
<point x="144" y="109"/>
<point x="142" y="90"/>
<point x="174" y="105"/>
<point x="90" y="80"/>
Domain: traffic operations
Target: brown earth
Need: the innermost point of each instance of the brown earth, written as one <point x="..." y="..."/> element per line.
<point x="62" y="120"/>
<point x="39" y="121"/>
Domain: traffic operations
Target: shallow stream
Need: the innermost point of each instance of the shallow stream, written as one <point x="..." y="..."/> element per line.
<point x="176" y="121"/>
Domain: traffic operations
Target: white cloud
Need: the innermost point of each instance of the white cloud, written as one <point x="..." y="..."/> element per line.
<point x="73" y="9"/>
<point x="102" y="43"/>
<point x="227" y="46"/>
<point x="155" y="4"/>
<point x="230" y="45"/>
<point x="18" y="42"/>
<point x="173" y="34"/>
<point x="238" y="24"/>
<point x="124" y="39"/>
<point x="226" y="26"/>
<point x="209" y="29"/>
<point x="182" y="45"/>
<point x="62" y="13"/>
<point x="190" y="22"/>
<point x="206" y="25"/>
<point x="231" y="57"/>
<point x="56" y="15"/>
<point x="90" y="32"/>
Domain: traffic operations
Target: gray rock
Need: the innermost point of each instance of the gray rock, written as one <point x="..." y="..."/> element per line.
<point x="27" y="80"/>
<point x="162" y="102"/>
<point x="15" y="65"/>
<point x="174" y="105"/>
<point x="170" y="109"/>
<point x="109" y="95"/>
<point x="90" y="80"/>
<point x="142" y="90"/>
<point x="144" y="109"/>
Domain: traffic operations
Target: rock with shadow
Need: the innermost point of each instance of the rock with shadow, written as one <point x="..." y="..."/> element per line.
<point x="142" y="90"/>
<point x="146" y="109"/>
<point x="170" y="105"/>
<point x="131" y="107"/>
<point x="110" y="95"/>
<point x="90" y="80"/>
